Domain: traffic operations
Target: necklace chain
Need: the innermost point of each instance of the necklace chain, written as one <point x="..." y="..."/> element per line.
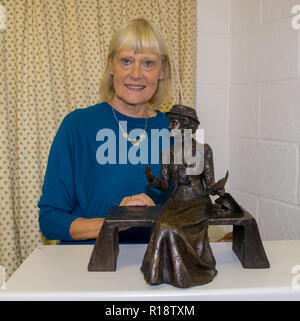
<point x="134" y="142"/>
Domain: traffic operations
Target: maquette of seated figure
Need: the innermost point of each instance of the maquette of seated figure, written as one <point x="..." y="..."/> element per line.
<point x="179" y="252"/>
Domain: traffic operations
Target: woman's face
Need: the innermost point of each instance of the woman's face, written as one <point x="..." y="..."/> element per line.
<point x="135" y="76"/>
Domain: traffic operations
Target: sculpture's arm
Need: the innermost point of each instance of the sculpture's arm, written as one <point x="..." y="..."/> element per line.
<point x="162" y="183"/>
<point x="208" y="171"/>
<point x="213" y="188"/>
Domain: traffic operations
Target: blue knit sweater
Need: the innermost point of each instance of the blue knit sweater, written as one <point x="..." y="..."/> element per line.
<point x="91" y="167"/>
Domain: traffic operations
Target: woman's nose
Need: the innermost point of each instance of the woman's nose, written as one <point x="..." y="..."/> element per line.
<point x="136" y="72"/>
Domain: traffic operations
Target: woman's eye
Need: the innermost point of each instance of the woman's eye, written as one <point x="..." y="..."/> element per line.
<point x="148" y="63"/>
<point x="125" y="61"/>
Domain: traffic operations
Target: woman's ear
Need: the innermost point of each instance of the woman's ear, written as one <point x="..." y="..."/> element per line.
<point x="162" y="75"/>
<point x="110" y="66"/>
<point x="163" y="70"/>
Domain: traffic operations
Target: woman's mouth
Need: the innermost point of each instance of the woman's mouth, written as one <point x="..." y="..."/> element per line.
<point x="135" y="87"/>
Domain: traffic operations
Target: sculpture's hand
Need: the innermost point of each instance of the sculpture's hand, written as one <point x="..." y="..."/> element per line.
<point x="152" y="179"/>
<point x="221" y="192"/>
<point x="218" y="188"/>
<point x="213" y="190"/>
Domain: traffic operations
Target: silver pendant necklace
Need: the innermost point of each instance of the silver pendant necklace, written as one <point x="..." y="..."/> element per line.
<point x="134" y="142"/>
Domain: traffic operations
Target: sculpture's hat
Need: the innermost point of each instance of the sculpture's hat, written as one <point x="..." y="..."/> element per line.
<point x="184" y="111"/>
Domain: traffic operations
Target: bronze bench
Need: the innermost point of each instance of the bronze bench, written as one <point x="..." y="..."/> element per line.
<point x="246" y="242"/>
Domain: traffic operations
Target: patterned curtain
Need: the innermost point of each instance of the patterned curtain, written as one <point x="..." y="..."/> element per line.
<point x="52" y="55"/>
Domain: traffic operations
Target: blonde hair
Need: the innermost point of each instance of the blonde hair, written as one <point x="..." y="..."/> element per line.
<point x="139" y="35"/>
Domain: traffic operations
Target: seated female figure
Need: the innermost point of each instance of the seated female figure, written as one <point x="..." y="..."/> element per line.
<point x="179" y="252"/>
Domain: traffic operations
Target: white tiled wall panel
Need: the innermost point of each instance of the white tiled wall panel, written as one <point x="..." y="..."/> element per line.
<point x="213" y="53"/>
<point x="298" y="31"/>
<point x="277" y="9"/>
<point x="213" y="60"/>
<point x="213" y="17"/>
<point x="263" y="168"/>
<point x="264" y="114"/>
<point x="212" y="106"/>
<point x="220" y="147"/>
<point x="278" y="52"/>
<point x="244" y="14"/>
<point x="280" y="111"/>
<point x="248" y="201"/>
<point x="278" y="221"/>
<point x="244" y="111"/>
<point x="298" y="174"/>
<point x="248" y="73"/>
<point x="265" y="53"/>
<point x="245" y="48"/>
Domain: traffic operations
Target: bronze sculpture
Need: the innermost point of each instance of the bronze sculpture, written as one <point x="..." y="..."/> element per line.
<point x="179" y="252"/>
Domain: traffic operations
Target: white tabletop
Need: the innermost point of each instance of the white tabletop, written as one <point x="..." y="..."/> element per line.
<point x="60" y="273"/>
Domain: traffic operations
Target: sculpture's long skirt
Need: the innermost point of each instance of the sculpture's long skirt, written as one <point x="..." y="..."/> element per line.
<point x="178" y="252"/>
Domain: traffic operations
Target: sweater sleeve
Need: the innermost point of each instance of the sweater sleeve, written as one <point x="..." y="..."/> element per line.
<point x="58" y="204"/>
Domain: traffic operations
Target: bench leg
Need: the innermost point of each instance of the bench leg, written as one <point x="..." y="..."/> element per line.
<point x="106" y="250"/>
<point x="248" y="247"/>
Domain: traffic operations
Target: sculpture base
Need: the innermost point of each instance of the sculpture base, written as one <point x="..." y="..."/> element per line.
<point x="246" y="243"/>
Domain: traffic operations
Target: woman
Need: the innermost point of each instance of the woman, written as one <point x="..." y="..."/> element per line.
<point x="86" y="174"/>
<point x="179" y="252"/>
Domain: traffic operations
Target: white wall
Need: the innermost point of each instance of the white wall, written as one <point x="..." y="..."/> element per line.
<point x="213" y="77"/>
<point x="248" y="98"/>
<point x="213" y="57"/>
<point x="264" y="114"/>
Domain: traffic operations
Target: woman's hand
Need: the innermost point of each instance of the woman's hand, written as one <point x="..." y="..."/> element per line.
<point x="137" y="200"/>
<point x="85" y="228"/>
